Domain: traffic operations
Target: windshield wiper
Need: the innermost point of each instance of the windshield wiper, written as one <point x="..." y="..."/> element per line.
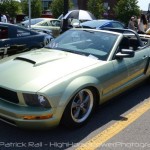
<point x="73" y="51"/>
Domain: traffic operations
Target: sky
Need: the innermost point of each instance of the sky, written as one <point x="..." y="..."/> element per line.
<point x="143" y="4"/>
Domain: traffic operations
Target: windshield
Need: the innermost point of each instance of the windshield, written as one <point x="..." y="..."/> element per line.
<point x="97" y="44"/>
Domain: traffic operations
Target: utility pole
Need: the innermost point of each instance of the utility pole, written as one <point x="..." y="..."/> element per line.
<point x="29" y="3"/>
<point x="65" y="21"/>
<point x="148" y="15"/>
<point x="148" y="8"/>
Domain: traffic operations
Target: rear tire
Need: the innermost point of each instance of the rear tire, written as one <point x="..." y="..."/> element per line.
<point x="79" y="109"/>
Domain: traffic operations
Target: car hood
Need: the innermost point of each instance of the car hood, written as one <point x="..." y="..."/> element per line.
<point x="34" y="70"/>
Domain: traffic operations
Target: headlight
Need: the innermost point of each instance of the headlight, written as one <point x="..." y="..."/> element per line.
<point x="36" y="100"/>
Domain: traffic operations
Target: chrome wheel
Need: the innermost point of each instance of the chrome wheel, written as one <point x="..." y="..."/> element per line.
<point x="82" y="105"/>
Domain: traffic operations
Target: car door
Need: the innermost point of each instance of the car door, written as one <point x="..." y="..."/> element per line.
<point x="108" y="24"/>
<point x="18" y="40"/>
<point x="135" y="68"/>
<point x="115" y="72"/>
<point x="28" y="38"/>
<point x="123" y="70"/>
<point x="19" y="37"/>
<point x="140" y="62"/>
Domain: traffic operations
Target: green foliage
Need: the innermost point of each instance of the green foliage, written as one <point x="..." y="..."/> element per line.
<point x="10" y="7"/>
<point x="96" y="7"/>
<point x="57" y="7"/>
<point x="36" y="8"/>
<point x="125" y="9"/>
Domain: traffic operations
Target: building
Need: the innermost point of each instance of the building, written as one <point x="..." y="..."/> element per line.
<point x="45" y="4"/>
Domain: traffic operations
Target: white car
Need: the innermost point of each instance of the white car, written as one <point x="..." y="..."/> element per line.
<point x="33" y="21"/>
<point x="50" y="24"/>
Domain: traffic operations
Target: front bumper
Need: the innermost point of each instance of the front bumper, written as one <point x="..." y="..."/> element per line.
<point x="14" y="114"/>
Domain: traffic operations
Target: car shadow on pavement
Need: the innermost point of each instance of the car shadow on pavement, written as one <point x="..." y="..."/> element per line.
<point x="61" y="137"/>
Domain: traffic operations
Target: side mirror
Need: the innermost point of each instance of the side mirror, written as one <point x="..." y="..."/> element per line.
<point x="125" y="53"/>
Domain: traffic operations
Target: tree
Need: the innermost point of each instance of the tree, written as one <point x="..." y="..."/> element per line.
<point x="82" y="4"/>
<point x="96" y="7"/>
<point x="10" y="7"/>
<point x="124" y="10"/>
<point x="36" y="8"/>
<point x="57" y="7"/>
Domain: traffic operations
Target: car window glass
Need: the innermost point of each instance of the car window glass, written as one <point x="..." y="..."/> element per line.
<point x="58" y="23"/>
<point x="107" y="25"/>
<point x="134" y="42"/>
<point x="117" y="25"/>
<point x="44" y="24"/>
<point x="3" y="32"/>
<point x="129" y="41"/>
<point x="93" y="23"/>
<point x="55" y="23"/>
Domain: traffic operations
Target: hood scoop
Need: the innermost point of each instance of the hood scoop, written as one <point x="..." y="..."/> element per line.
<point x="39" y="58"/>
<point x="25" y="59"/>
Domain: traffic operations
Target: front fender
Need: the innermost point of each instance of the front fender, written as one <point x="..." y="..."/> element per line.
<point x="75" y="86"/>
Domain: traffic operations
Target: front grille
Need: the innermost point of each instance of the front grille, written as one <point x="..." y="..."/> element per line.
<point x="8" y="95"/>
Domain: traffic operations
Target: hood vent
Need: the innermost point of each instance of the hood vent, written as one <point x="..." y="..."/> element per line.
<point x="25" y="59"/>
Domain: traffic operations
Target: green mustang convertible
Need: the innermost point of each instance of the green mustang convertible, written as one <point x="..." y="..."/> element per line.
<point x="66" y="80"/>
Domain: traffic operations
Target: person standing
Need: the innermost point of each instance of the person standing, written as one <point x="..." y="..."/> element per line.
<point x="145" y="22"/>
<point x="131" y="24"/>
<point x="4" y="18"/>
<point x="141" y="22"/>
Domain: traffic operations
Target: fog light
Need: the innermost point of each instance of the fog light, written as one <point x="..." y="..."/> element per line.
<point x="37" y="117"/>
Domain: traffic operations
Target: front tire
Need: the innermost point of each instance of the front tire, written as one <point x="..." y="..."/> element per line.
<point x="79" y="109"/>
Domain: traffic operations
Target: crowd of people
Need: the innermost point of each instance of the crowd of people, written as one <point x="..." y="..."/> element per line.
<point x="139" y="24"/>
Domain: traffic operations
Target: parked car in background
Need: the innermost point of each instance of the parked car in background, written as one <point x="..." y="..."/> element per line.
<point x="102" y="23"/>
<point x="33" y="21"/>
<point x="65" y="81"/>
<point x="47" y="14"/>
<point x="49" y="24"/>
<point x="15" y="39"/>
